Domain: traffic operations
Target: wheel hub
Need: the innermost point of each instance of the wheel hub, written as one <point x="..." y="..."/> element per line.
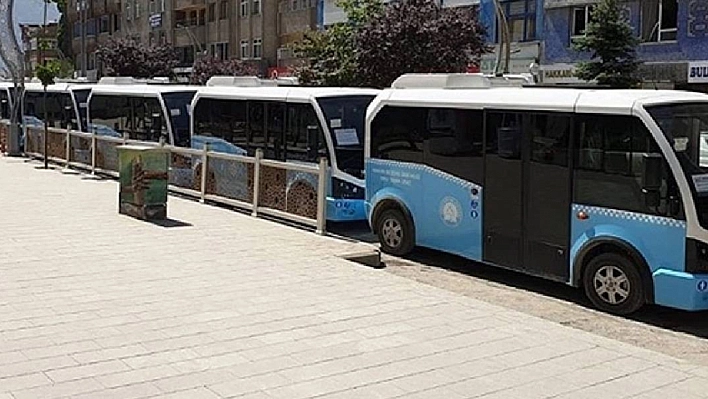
<point x="611" y="284"/>
<point x="392" y="233"/>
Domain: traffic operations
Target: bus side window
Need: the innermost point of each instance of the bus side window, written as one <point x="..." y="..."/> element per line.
<point x="550" y="135"/>
<point x="297" y="140"/>
<point x="256" y="125"/>
<point x="504" y="134"/>
<point x="276" y="128"/>
<point x="609" y="155"/>
<point x="398" y="133"/>
<point x="455" y="142"/>
<point x="109" y="114"/>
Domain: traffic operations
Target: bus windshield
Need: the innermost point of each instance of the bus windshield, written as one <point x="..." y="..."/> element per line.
<point x="344" y="116"/>
<point x="177" y="105"/>
<point x="686" y="129"/>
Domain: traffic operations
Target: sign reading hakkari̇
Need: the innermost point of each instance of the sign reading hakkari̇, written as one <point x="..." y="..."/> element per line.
<point x="698" y="72"/>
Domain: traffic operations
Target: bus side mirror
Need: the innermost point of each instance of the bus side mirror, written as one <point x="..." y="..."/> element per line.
<point x="313" y="142"/>
<point x="651" y="179"/>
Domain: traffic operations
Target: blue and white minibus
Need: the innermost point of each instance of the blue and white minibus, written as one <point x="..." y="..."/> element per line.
<point x="293" y="124"/>
<point x="600" y="189"/>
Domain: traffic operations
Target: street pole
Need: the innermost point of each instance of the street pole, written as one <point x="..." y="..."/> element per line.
<point x="82" y="10"/>
<point x="46" y="130"/>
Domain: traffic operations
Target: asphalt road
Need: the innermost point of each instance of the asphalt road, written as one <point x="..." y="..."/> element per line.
<point x="673" y="332"/>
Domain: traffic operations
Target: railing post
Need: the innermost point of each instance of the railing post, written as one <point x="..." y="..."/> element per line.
<point x="256" y="181"/>
<point x="67" y="149"/>
<point x="205" y="170"/>
<point x="322" y="197"/>
<point x="125" y="138"/>
<point x="94" y="151"/>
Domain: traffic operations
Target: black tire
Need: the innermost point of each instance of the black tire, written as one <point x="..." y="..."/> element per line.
<point x="624" y="293"/>
<point x="395" y="232"/>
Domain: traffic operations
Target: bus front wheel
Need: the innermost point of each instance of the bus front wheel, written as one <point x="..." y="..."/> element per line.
<point x="395" y="232"/>
<point x="613" y="284"/>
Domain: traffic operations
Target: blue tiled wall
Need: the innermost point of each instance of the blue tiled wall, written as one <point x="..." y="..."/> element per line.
<point x="691" y="43"/>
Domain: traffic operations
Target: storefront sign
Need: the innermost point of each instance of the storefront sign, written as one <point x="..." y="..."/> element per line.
<point x="698" y="72"/>
<point x="559" y="74"/>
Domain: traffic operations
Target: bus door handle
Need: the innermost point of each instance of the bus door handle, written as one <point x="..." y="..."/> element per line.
<point x="581" y="215"/>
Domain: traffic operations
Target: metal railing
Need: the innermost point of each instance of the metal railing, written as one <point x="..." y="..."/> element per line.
<point x="286" y="190"/>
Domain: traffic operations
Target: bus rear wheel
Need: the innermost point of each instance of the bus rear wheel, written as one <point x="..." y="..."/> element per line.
<point x="395" y="232"/>
<point x="613" y="284"/>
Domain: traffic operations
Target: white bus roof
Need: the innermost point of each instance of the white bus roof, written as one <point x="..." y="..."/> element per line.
<point x="141" y="90"/>
<point x="279" y="93"/>
<point x="542" y="99"/>
<point x="57" y="87"/>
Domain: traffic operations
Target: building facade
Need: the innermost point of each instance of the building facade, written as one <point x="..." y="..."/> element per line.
<point x="40" y="44"/>
<point x="673" y="37"/>
<point x="525" y="23"/>
<point x="256" y="31"/>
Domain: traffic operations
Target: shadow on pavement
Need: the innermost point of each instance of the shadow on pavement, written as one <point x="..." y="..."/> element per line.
<point x="693" y="323"/>
<point x="170" y="223"/>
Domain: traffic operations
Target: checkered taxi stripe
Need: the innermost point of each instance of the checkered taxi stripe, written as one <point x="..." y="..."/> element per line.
<point x="627" y="215"/>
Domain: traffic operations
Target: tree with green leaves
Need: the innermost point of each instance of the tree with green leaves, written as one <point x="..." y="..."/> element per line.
<point x="331" y="56"/>
<point x="612" y="43"/>
<point x="418" y="36"/>
<point x="127" y="57"/>
<point x="207" y="67"/>
<point x="46" y="73"/>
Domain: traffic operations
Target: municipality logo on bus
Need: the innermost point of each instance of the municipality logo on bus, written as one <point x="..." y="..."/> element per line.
<point x="450" y="211"/>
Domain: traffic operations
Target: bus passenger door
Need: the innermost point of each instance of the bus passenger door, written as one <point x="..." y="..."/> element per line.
<point x="527" y="192"/>
<point x="502" y="192"/>
<point x="547" y="194"/>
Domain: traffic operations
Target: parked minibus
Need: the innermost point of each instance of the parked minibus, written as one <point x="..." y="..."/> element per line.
<point x="144" y="111"/>
<point x="65" y="106"/>
<point x="7" y="89"/>
<point x="600" y="189"/>
<point x="294" y="124"/>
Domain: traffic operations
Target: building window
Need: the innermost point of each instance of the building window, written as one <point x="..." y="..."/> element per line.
<point x="137" y="10"/>
<point x="244" y="8"/>
<point x="521" y="17"/>
<point x="257" y="48"/>
<point x="244" y="49"/>
<point x="212" y="12"/>
<point x="223" y="9"/>
<point x="116" y="22"/>
<point x="659" y="20"/>
<point x="581" y="19"/>
<point x="256" y="7"/>
<point x="294" y="5"/>
<point x="223" y="51"/>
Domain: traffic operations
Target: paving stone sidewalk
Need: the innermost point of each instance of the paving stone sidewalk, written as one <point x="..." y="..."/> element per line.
<point x="98" y="305"/>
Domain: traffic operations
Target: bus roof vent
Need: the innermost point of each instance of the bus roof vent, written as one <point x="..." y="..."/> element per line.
<point x="238" y="81"/>
<point x="455" y="81"/>
<point x="117" y="80"/>
<point x="160" y="80"/>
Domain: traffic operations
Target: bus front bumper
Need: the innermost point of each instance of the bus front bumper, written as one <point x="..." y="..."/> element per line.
<point x="345" y="210"/>
<point x="681" y="290"/>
